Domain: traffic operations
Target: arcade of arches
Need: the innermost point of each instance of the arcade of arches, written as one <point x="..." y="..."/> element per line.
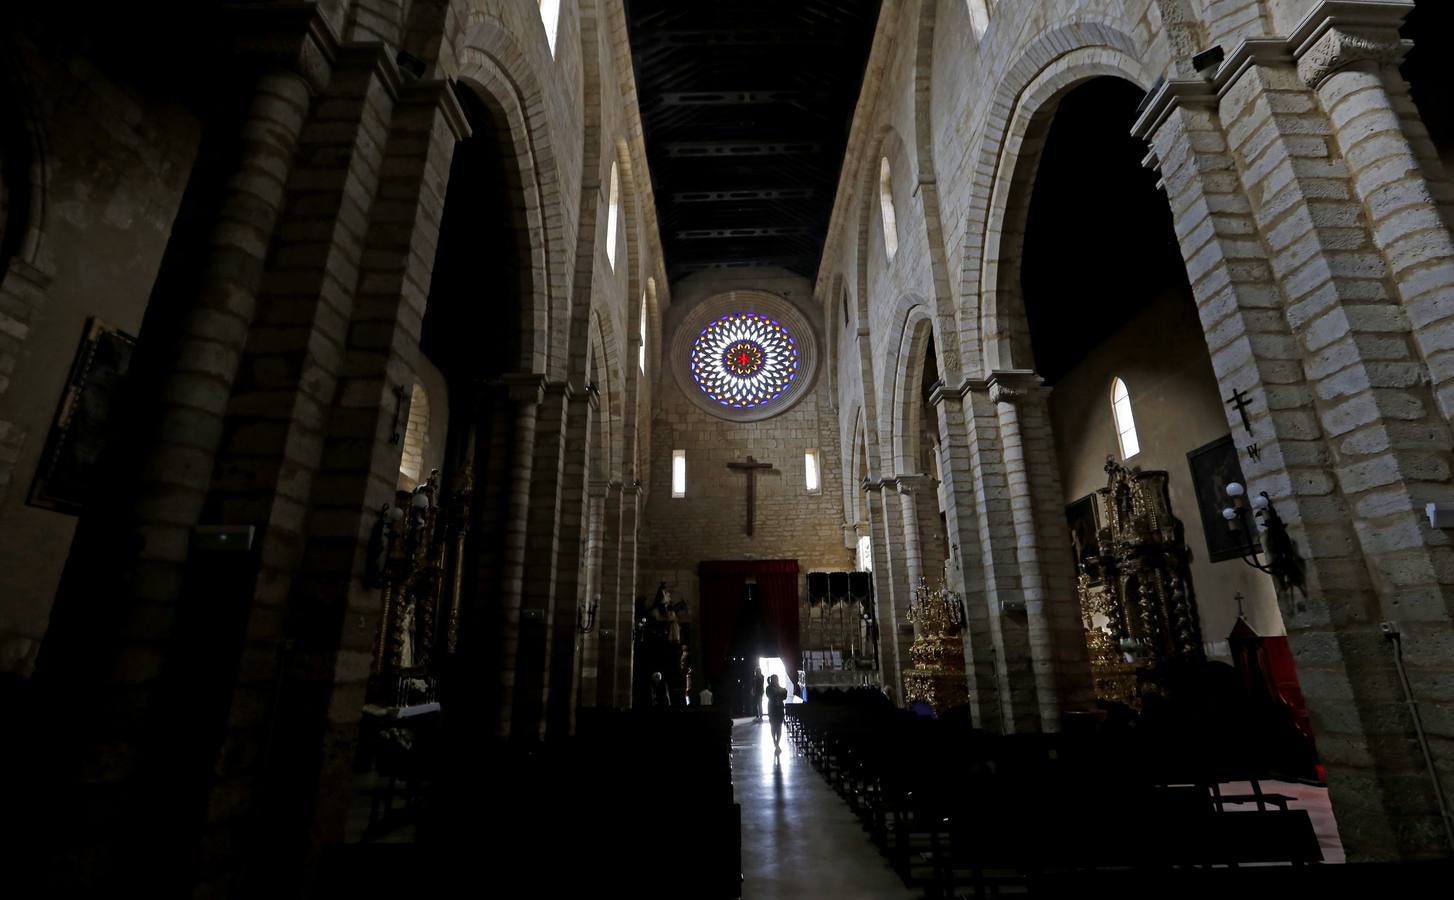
<point x="437" y="388"/>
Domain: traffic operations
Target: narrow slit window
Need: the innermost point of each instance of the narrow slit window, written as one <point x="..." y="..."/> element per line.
<point x="641" y="351"/>
<point x="612" y="205"/>
<point x="550" y="18"/>
<point x="979" y="16"/>
<point x="810" y="470"/>
<point x="679" y="473"/>
<point x="1125" y="423"/>
<point x="865" y="553"/>
<point x="886" y="206"/>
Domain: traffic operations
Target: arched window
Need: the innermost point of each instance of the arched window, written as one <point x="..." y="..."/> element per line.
<point x="886" y="205"/>
<point x="416" y="439"/>
<point x="865" y="554"/>
<point x="641" y="351"/>
<point x="550" y="18"/>
<point x="1125" y="424"/>
<point x="979" y="16"/>
<point x="613" y="203"/>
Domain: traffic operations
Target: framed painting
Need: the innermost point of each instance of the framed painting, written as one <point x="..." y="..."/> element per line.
<point x="67" y="471"/>
<point x="1213" y="467"/>
<point x="1084" y="520"/>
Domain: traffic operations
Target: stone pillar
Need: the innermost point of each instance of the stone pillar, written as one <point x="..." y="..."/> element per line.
<point x="626" y="608"/>
<point x="1352" y="64"/>
<point x="892" y="589"/>
<point x="335" y="628"/>
<point x="1004" y="595"/>
<point x="1006" y="392"/>
<point x="521" y="627"/>
<point x="563" y="681"/>
<point x="923" y="531"/>
<point x="612" y="625"/>
<point x="125" y="647"/>
<point x="22" y="297"/>
<point x="592" y="592"/>
<point x="1292" y="295"/>
<point x="537" y="612"/>
<point x="980" y="655"/>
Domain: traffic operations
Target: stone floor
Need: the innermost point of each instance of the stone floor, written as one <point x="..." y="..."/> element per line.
<point x="798" y="838"/>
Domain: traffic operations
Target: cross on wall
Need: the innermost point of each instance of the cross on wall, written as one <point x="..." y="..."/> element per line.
<point x="750" y="467"/>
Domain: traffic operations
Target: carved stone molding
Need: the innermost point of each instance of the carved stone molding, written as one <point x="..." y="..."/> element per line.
<point x="1337" y="49"/>
<point x="522" y="387"/>
<point x="911" y="484"/>
<point x="440" y="93"/>
<point x="289" y="35"/>
<point x="1337" y="34"/>
<point x="1012" y="385"/>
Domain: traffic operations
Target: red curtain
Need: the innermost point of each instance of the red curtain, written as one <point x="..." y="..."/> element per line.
<point x="727" y="611"/>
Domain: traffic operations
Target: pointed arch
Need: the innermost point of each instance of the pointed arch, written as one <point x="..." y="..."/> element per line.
<point x="493" y="65"/>
<point x="907" y="404"/>
<point x="1025" y="102"/>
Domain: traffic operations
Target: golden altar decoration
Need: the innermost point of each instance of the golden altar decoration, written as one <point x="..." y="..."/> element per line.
<point x="937" y="677"/>
<point x="1135" y="587"/>
<point x="418" y="550"/>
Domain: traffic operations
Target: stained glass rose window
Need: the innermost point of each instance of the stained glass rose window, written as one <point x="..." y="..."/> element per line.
<point x="743" y="360"/>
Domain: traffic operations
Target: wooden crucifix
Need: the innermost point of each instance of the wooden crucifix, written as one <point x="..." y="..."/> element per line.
<point x="751" y="467"/>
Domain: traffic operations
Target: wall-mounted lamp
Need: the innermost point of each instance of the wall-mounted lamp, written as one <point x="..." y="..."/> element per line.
<point x="586" y="615"/>
<point x="1282" y="561"/>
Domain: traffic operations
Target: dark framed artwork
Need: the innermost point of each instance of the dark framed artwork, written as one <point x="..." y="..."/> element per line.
<point x="1084" y="520"/>
<point x="67" y="470"/>
<point x="1213" y="467"/>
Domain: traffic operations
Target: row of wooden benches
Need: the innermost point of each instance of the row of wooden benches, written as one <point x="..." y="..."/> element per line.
<point x="953" y="807"/>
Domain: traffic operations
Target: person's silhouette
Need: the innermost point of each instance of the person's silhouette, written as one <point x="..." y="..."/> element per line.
<point x="777" y="695"/>
<point x="757" y="693"/>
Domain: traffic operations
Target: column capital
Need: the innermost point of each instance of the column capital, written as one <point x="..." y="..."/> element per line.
<point x="1012" y="385"/>
<point x="522" y="387"/>
<point x="291" y="35"/>
<point x="915" y="483"/>
<point x="1337" y="34"/>
<point x="869" y="483"/>
<point x="1167" y="99"/>
<point x="366" y="56"/>
<point x="601" y="488"/>
<point x="437" y="92"/>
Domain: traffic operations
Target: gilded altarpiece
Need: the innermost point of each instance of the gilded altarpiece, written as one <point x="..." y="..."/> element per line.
<point x="1135" y="588"/>
<point x="418" y="551"/>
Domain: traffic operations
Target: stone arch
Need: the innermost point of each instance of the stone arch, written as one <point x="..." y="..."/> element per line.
<point x="945" y="312"/>
<point x="1025" y="102"/>
<point x="23" y="171"/>
<point x="592" y="227"/>
<point x="907" y="403"/>
<point x="493" y="65"/>
<point x="377" y="20"/>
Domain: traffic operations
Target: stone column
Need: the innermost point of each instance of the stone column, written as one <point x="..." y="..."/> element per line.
<point x="1349" y="54"/>
<point x="563" y="681"/>
<point x="923" y="531"/>
<point x="591" y="592"/>
<point x="892" y="589"/>
<point x="611" y="626"/>
<point x="1279" y="261"/>
<point x="626" y="608"/>
<point x="358" y="471"/>
<point x="1006" y="391"/>
<point x="538" y="605"/>
<point x="980" y="655"/>
<point x="521" y="627"/>
<point x="1004" y="595"/>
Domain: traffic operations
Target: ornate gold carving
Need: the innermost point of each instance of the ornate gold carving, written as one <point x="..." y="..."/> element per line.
<point x="938" y="675"/>
<point x="420" y="549"/>
<point x="1135" y="592"/>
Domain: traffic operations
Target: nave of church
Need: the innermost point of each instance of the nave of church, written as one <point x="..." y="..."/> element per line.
<point x="442" y="439"/>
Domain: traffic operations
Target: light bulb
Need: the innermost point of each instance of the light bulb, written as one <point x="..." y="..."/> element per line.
<point x="1229" y="514"/>
<point x="1259" y="502"/>
<point x="1235" y="490"/>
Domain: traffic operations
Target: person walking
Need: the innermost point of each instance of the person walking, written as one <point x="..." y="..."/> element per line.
<point x="777" y="695"/>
